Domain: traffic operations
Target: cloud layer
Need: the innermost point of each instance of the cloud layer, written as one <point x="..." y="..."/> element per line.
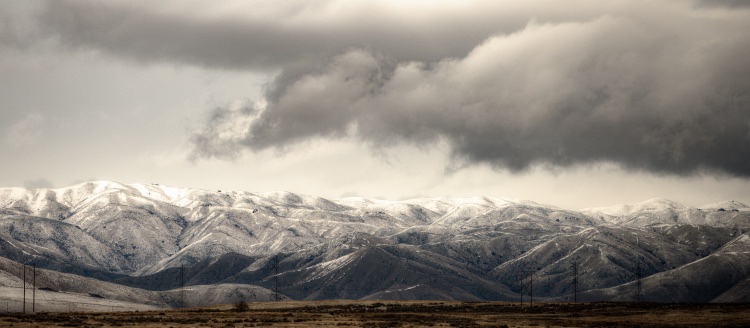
<point x="269" y="34"/>
<point x="662" y="87"/>
<point x="562" y="94"/>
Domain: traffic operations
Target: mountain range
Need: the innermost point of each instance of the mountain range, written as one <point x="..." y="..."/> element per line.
<point x="166" y="246"/>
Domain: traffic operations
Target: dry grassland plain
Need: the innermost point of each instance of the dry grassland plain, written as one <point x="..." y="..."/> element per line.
<point x="405" y="314"/>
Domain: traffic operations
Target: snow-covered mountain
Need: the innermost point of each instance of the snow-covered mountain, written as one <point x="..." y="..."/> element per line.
<point x="146" y="236"/>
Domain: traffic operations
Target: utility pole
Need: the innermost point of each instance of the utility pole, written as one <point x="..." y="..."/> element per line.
<point x="638" y="286"/>
<point x="182" y="285"/>
<point x="575" y="281"/>
<point x="526" y="281"/>
<point x="24" y="288"/>
<point x="276" y="276"/>
<point x="706" y="293"/>
<point x="33" y="291"/>
<point x="519" y="279"/>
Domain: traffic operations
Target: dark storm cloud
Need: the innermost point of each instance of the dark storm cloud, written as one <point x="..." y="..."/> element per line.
<point x="661" y="86"/>
<point x="17" y="29"/>
<point x="266" y="34"/>
<point x="644" y="94"/>
<point x="723" y="3"/>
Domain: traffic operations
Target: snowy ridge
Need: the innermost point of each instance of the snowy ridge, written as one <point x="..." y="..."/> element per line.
<point x="144" y="232"/>
<point x="726" y="205"/>
<point x="653" y="205"/>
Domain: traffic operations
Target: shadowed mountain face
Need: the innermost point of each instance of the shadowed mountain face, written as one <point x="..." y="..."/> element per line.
<point x="156" y="239"/>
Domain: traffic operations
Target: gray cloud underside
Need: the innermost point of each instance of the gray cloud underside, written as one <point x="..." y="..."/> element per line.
<point x="272" y="34"/>
<point x="663" y="87"/>
<point x="560" y="94"/>
<point x="723" y="3"/>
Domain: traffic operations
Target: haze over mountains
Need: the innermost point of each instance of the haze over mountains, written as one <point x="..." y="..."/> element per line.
<point x="143" y="242"/>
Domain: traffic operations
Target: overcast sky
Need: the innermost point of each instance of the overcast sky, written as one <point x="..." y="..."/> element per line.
<point x="571" y="103"/>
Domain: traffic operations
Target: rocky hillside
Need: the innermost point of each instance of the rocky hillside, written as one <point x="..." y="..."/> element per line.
<point x="154" y="238"/>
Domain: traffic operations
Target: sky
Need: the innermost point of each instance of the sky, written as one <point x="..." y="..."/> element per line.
<point x="575" y="104"/>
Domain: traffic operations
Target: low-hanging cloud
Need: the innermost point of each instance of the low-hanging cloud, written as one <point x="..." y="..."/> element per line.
<point x="662" y="96"/>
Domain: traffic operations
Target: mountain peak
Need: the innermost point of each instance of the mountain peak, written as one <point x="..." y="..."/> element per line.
<point x="726" y="205"/>
<point x="653" y="204"/>
<point x="146" y="230"/>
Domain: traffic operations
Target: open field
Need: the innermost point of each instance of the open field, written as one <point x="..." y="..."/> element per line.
<point x="11" y="300"/>
<point x="406" y="314"/>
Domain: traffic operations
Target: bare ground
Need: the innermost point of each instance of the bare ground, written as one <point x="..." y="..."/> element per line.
<point x="406" y="314"/>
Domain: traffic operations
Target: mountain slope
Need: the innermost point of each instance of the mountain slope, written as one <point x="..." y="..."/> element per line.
<point x="157" y="238"/>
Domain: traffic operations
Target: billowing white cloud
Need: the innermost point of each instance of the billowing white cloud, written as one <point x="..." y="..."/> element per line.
<point x="223" y="135"/>
<point x="652" y="86"/>
<point x="650" y="95"/>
